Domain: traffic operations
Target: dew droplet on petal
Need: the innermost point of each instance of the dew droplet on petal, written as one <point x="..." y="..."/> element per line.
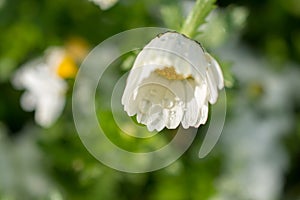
<point x="167" y="103"/>
<point x="178" y="102"/>
<point x="172" y="115"/>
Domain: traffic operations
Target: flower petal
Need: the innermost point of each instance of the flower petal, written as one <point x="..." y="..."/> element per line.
<point x="172" y="49"/>
<point x="201" y="98"/>
<point x="201" y="94"/>
<point x="212" y="85"/>
<point x="216" y="69"/>
<point x="203" y="114"/>
<point x="48" y="110"/>
<point x="131" y="107"/>
<point x="191" y="107"/>
<point x="157" y="118"/>
<point x="137" y="75"/>
<point x="175" y="96"/>
<point x="173" y="112"/>
<point x="142" y="118"/>
<point x="133" y="80"/>
<point x="104" y="4"/>
<point x="28" y="101"/>
<point x="174" y="117"/>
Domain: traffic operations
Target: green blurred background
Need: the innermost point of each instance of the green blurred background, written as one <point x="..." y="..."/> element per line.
<point x="258" y="155"/>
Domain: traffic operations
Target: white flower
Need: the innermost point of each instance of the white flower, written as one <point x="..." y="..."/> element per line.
<point x="44" y="84"/>
<point x="172" y="81"/>
<point x="105" y="4"/>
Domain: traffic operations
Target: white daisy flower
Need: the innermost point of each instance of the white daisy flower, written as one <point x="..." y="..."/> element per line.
<point x="43" y="80"/>
<point x="171" y="82"/>
<point x="105" y="4"/>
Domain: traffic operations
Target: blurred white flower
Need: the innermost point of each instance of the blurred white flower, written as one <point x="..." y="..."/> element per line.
<point x="2" y="3"/>
<point x="172" y="81"/>
<point x="255" y="159"/>
<point x="43" y="80"/>
<point x="21" y="168"/>
<point x="105" y="4"/>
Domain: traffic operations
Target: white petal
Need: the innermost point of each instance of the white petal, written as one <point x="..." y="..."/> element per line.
<point x="173" y="111"/>
<point x="174" y="117"/>
<point x="190" y="114"/>
<point x="175" y="114"/>
<point x="48" y="110"/>
<point x="172" y="49"/>
<point x="131" y="86"/>
<point x="178" y="88"/>
<point x="216" y="69"/>
<point x="201" y="94"/>
<point x="54" y="56"/>
<point x="28" y="101"/>
<point x="142" y="106"/>
<point x="137" y="75"/>
<point x="212" y="85"/>
<point x="201" y="97"/>
<point x="191" y="107"/>
<point x="104" y="4"/>
<point x="133" y="80"/>
<point x="203" y="114"/>
<point x="131" y="107"/>
<point x="142" y="118"/>
<point x="151" y="89"/>
<point x="157" y="118"/>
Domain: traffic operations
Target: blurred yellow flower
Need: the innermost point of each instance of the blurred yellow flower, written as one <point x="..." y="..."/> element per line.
<point x="67" y="67"/>
<point x="77" y="48"/>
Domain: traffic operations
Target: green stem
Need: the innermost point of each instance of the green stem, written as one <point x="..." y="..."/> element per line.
<point x="197" y="17"/>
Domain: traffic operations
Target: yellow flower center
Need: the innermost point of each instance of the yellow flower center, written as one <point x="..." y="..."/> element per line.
<point x="170" y="73"/>
<point x="67" y="68"/>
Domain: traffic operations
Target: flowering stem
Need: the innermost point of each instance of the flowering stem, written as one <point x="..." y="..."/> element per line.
<point x="197" y="17"/>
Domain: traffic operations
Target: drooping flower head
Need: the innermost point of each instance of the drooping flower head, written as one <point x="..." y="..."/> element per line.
<point x="171" y="82"/>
